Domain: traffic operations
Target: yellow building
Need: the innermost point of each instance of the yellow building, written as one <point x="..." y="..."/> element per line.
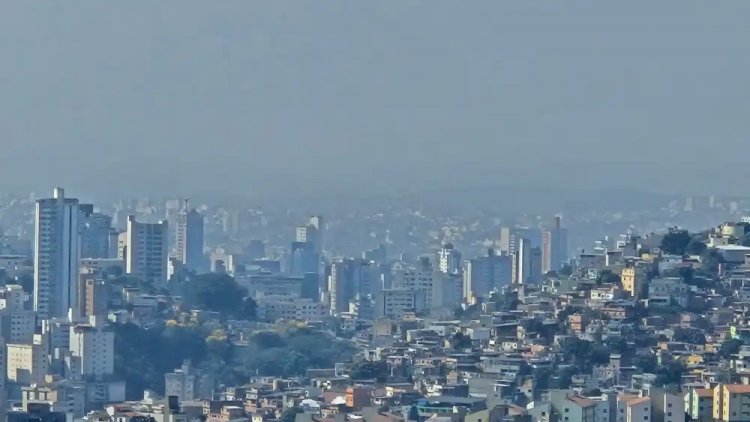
<point x="731" y="403"/>
<point x="694" y="360"/>
<point x="632" y="279"/>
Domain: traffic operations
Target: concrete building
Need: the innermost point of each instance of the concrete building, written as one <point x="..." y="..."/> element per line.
<point x="93" y="296"/>
<point x="17" y="326"/>
<point x="571" y="407"/>
<point x="12" y="297"/>
<point x="486" y="273"/>
<point x="418" y="278"/>
<point x="523" y="262"/>
<point x="554" y="247"/>
<point x="632" y="408"/>
<point x="181" y="383"/>
<point x="699" y="404"/>
<point x="665" y="406"/>
<point x="189" y="239"/>
<point x="731" y="403"/>
<point x="64" y="396"/>
<point x="302" y="309"/>
<point x="633" y="279"/>
<point x="305" y="260"/>
<point x="103" y="267"/>
<point x="394" y="303"/>
<point x="56" y="254"/>
<point x="95" y="230"/>
<point x="146" y="251"/>
<point x="13" y="264"/>
<point x="348" y="278"/>
<point x="510" y="236"/>
<point x="27" y="363"/>
<point x="448" y="259"/>
<point x="264" y="286"/>
<point x="447" y="290"/>
<point x="94" y="345"/>
<point x="312" y="232"/>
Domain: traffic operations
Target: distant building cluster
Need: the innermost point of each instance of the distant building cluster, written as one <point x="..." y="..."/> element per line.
<point x="144" y="313"/>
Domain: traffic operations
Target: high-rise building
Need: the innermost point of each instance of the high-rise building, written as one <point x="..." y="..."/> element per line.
<point x="56" y="254"/>
<point x="145" y="250"/>
<point x="523" y="261"/>
<point x="420" y="278"/>
<point x="486" y="273"/>
<point x="554" y="247"/>
<point x="28" y="363"/>
<point x="189" y="239"/>
<point x="312" y="232"/>
<point x="349" y="277"/>
<point x="448" y="259"/>
<point x="95" y="233"/>
<point x="304" y="259"/>
<point x="93" y="295"/>
<point x="94" y="345"/>
<point x="17" y="325"/>
<point x="377" y="255"/>
<point x="510" y="237"/>
<point x="181" y="383"/>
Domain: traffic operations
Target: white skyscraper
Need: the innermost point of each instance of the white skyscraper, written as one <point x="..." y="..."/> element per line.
<point x="189" y="238"/>
<point x="56" y="255"/>
<point x="145" y="250"/>
<point x="523" y="261"/>
<point x="448" y="259"/>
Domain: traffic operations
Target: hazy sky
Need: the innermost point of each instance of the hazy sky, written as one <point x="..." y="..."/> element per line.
<point x="246" y="96"/>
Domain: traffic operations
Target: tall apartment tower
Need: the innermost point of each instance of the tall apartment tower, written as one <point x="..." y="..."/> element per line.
<point x="349" y="277"/>
<point x="56" y="255"/>
<point x="448" y="259"/>
<point x="189" y="238"/>
<point x="312" y="232"/>
<point x="145" y="250"/>
<point x="554" y="247"/>
<point x="523" y="261"/>
<point x="95" y="233"/>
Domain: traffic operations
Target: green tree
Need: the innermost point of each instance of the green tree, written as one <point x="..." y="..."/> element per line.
<point x="710" y="261"/>
<point x="645" y="361"/>
<point x="696" y="246"/>
<point x="607" y="277"/>
<point x="289" y="415"/>
<point x="218" y="292"/>
<point x="670" y="373"/>
<point x="730" y="347"/>
<point x="364" y="370"/>
<point x="675" y="241"/>
<point x="460" y="341"/>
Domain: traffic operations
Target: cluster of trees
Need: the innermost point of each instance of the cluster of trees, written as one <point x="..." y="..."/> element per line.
<point x="291" y="352"/>
<point x="584" y="354"/>
<point x="143" y="356"/>
<point x="220" y="293"/>
<point x="607" y="277"/>
<point x="367" y="370"/>
<point x="681" y="242"/>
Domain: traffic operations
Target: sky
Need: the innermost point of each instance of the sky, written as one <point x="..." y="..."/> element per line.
<point x="190" y="97"/>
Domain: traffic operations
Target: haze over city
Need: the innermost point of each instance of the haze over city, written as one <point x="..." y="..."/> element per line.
<point x="374" y="211"/>
<point x="277" y="96"/>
